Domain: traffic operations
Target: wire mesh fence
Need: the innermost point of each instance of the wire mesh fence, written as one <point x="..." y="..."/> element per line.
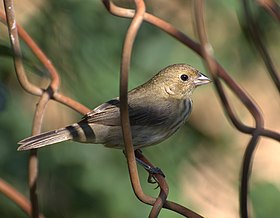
<point x="221" y="79"/>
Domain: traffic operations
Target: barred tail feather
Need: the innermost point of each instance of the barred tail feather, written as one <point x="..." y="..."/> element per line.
<point x="44" y="139"/>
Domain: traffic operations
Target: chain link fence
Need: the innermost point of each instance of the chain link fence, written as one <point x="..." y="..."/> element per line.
<point x="202" y="47"/>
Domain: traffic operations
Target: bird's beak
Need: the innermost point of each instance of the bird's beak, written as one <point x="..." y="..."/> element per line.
<point x="201" y="80"/>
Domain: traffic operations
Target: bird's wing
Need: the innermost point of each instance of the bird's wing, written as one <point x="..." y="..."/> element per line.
<point x="106" y="114"/>
<point x="109" y="114"/>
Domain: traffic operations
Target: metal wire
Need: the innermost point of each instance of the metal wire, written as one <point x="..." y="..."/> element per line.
<point x="202" y="49"/>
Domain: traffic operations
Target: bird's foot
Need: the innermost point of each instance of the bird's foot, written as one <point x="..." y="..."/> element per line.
<point x="151" y="170"/>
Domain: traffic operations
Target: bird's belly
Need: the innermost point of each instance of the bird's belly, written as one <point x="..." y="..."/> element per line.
<point x="111" y="136"/>
<point x="141" y="136"/>
<point x="145" y="136"/>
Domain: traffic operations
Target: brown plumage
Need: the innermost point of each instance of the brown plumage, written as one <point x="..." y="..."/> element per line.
<point x="156" y="110"/>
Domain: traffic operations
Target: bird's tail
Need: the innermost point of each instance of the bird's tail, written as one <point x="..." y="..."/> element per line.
<point x="44" y="139"/>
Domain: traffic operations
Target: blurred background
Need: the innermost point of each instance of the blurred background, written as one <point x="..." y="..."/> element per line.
<point x="201" y="161"/>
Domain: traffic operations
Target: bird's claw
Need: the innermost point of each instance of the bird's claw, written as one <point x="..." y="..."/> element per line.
<point x="156" y="170"/>
<point x="151" y="170"/>
<point x="151" y="178"/>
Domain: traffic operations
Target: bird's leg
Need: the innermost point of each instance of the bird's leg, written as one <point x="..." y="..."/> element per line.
<point x="150" y="169"/>
<point x="142" y="161"/>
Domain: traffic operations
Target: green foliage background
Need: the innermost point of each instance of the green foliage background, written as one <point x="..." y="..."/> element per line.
<point x="84" y="42"/>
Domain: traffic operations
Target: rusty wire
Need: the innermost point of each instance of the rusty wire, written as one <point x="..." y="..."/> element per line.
<point x="39" y="54"/>
<point x="257" y="38"/>
<point x="203" y="49"/>
<point x="133" y="172"/>
<point x="45" y="95"/>
<point x="125" y="64"/>
<point x="256" y="133"/>
<point x="16" y="197"/>
<point x="271" y="7"/>
<point x="218" y="73"/>
<point x="161" y="200"/>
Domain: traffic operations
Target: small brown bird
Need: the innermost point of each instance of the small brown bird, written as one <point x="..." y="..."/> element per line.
<point x="156" y="110"/>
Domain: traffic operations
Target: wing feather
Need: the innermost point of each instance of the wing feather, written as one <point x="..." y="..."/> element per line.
<point x="109" y="114"/>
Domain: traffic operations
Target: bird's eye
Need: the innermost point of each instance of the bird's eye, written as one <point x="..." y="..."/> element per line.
<point x="184" y="77"/>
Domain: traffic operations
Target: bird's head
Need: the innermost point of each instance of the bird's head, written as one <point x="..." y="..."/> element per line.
<point x="179" y="80"/>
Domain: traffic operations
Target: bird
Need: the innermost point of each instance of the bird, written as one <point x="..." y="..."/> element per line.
<point x="157" y="109"/>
